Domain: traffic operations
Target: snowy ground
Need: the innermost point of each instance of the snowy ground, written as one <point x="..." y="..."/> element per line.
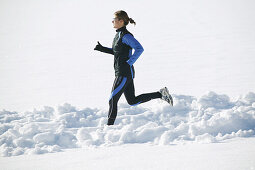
<point x="54" y="87"/>
<point x="191" y="119"/>
<point x="232" y="154"/>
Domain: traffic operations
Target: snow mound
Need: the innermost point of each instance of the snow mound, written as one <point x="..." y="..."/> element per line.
<point x="210" y="118"/>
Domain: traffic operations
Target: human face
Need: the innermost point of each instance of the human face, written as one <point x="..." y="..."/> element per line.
<point x="117" y="23"/>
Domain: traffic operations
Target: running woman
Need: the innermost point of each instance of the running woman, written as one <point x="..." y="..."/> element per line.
<point x="124" y="59"/>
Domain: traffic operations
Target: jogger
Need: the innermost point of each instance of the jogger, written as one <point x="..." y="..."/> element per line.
<point x="126" y="85"/>
<point x="124" y="59"/>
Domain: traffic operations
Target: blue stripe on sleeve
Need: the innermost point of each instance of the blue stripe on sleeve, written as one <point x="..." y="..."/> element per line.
<point x="109" y="48"/>
<point x="133" y="43"/>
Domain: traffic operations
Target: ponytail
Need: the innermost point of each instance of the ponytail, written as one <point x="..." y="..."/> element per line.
<point x="132" y="21"/>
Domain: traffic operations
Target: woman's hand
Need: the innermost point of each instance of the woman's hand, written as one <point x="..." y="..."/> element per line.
<point x="99" y="47"/>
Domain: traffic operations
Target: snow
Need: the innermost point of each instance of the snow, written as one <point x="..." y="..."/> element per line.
<point x="234" y="154"/>
<point x="54" y="88"/>
<point x="212" y="118"/>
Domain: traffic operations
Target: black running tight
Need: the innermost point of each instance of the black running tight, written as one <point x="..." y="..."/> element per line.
<point x="126" y="85"/>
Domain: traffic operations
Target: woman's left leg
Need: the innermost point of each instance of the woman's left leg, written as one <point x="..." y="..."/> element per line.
<point x="118" y="87"/>
<point x="133" y="100"/>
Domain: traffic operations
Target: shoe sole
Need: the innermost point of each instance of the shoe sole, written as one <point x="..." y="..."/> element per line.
<point x="169" y="97"/>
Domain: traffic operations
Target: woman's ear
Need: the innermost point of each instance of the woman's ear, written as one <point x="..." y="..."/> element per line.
<point x="122" y="22"/>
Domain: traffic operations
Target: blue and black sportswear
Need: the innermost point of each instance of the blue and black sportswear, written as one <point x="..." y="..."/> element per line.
<point x="126" y="85"/>
<point x="122" y="46"/>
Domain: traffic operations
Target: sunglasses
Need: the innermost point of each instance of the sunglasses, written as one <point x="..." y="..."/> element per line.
<point x="114" y="19"/>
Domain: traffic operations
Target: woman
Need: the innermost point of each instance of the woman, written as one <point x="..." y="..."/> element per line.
<point x="122" y="46"/>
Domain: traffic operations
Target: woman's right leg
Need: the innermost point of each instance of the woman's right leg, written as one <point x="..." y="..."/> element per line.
<point x="135" y="100"/>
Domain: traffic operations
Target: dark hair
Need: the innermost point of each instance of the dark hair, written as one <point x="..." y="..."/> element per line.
<point x="122" y="15"/>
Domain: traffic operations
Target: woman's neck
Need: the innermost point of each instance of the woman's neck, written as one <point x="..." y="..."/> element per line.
<point x="123" y="27"/>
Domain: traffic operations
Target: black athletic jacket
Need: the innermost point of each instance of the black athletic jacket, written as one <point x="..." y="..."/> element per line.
<point x="122" y="46"/>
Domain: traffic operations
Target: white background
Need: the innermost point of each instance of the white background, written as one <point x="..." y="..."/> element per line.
<point x="47" y="56"/>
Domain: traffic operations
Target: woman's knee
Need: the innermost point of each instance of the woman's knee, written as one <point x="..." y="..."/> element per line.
<point x="132" y="102"/>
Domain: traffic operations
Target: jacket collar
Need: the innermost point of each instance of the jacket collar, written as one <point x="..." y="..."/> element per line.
<point x="121" y="29"/>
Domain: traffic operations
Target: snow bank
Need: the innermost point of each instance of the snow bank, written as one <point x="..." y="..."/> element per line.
<point x="210" y="118"/>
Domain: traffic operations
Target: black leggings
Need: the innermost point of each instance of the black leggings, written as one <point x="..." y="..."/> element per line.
<point x="123" y="84"/>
